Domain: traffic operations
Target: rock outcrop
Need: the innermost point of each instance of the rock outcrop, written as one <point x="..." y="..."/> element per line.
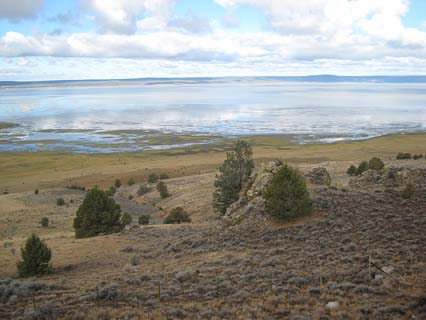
<point x="319" y="176"/>
<point x="251" y="203"/>
<point x="391" y="177"/>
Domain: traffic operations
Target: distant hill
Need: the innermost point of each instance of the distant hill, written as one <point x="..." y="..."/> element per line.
<point x="313" y="78"/>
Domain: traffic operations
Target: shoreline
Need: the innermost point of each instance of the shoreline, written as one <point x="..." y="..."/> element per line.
<point x="24" y="171"/>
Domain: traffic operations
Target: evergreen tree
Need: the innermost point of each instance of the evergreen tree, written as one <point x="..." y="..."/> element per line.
<point x="234" y="173"/>
<point x="97" y="214"/>
<point x="35" y="258"/>
<point x="287" y="196"/>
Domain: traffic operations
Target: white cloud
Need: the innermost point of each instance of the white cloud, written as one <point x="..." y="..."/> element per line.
<point x="126" y="16"/>
<point x="15" y="10"/>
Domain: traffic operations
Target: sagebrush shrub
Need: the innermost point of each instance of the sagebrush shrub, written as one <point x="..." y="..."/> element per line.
<point x="287" y="196"/>
<point x="408" y="191"/>
<point x="376" y="164"/>
<point x="35" y="258"/>
<point x="131" y="182"/>
<point x="117" y="183"/>
<point x="403" y="155"/>
<point x="152" y="178"/>
<point x="126" y="219"/>
<point x="143" y="189"/>
<point x="60" y="202"/>
<point x="164" y="176"/>
<point x="177" y="215"/>
<point x="162" y="189"/>
<point x="44" y="222"/>
<point x="352" y="170"/>
<point x="97" y="214"/>
<point x="144" y="219"/>
<point x="363" y="166"/>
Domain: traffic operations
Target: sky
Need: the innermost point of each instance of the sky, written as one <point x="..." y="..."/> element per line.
<point x="99" y="39"/>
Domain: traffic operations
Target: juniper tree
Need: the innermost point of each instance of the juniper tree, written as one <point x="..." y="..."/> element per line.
<point x="234" y="173"/>
<point x="97" y="214"/>
<point x="35" y="258"/>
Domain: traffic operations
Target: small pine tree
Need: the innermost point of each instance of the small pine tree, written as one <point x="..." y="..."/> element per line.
<point x="352" y="171"/>
<point x="35" y="258"/>
<point x="287" y="196"/>
<point x="234" y="173"/>
<point x="162" y="188"/>
<point x="376" y="164"/>
<point x="44" y="222"/>
<point x="363" y="166"/>
<point x="117" y="183"/>
<point x="126" y="219"/>
<point x="177" y="215"/>
<point x="144" y="219"/>
<point x="97" y="214"/>
<point x="152" y="178"/>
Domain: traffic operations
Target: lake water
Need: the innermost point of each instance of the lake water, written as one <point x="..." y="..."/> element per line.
<point x="139" y="115"/>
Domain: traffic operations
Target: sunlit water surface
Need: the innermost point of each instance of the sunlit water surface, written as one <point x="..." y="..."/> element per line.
<point x="133" y="116"/>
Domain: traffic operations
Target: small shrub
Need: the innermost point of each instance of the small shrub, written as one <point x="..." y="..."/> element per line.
<point x="363" y="166"/>
<point x="126" y="219"/>
<point x="130" y="182"/>
<point x="117" y="183"/>
<point x="408" y="191"/>
<point x="352" y="171"/>
<point x="376" y="164"/>
<point x="164" y="176"/>
<point x="144" y="219"/>
<point x="162" y="188"/>
<point x="417" y="156"/>
<point x="402" y="156"/>
<point x="152" y="178"/>
<point x="75" y="187"/>
<point x="36" y="191"/>
<point x="130" y="197"/>
<point x="44" y="222"/>
<point x="112" y="190"/>
<point x="135" y="260"/>
<point x="35" y="258"/>
<point x="177" y="215"/>
<point x="143" y="189"/>
<point x="287" y="196"/>
<point x="97" y="214"/>
<point x="60" y="202"/>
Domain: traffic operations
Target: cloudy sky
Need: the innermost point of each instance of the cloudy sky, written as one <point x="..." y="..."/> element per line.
<point x="76" y="39"/>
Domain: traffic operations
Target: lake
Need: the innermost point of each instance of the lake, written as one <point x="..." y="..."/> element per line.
<point x="124" y="116"/>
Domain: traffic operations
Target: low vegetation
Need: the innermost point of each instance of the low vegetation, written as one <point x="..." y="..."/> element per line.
<point x="143" y="189"/>
<point x="233" y="174"/>
<point x="376" y="164"/>
<point x="417" y="156"/>
<point x="152" y="178"/>
<point x="126" y="219"/>
<point x="117" y="183"/>
<point x="177" y="215"/>
<point x="44" y="222"/>
<point x="287" y="196"/>
<point x="162" y="189"/>
<point x="97" y="214"/>
<point x="144" y="219"/>
<point x="60" y="202"/>
<point x="403" y="156"/>
<point x="131" y="182"/>
<point x="35" y="257"/>
<point x="164" y="176"/>
<point x="408" y="191"/>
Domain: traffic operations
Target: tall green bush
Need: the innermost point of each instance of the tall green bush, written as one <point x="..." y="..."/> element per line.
<point x="287" y="196"/>
<point x="363" y="166"/>
<point x="376" y="164"/>
<point x="35" y="258"/>
<point x="233" y="174"/>
<point x="97" y="214"/>
<point x="177" y="215"/>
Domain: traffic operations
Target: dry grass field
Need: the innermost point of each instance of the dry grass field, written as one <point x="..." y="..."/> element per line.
<point x="203" y="270"/>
